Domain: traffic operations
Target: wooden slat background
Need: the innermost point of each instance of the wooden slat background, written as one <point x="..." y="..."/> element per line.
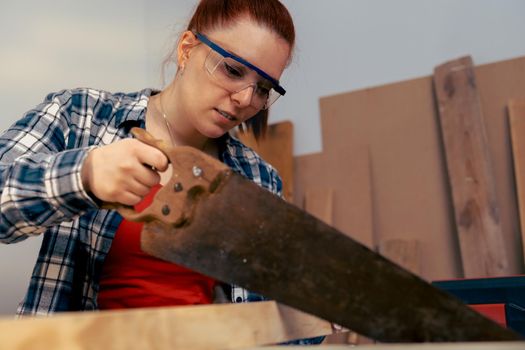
<point x="277" y="149"/>
<point x="517" y="126"/>
<point x="410" y="190"/>
<point x="470" y="172"/>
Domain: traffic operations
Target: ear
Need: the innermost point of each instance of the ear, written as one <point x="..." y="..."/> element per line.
<point x="186" y="43"/>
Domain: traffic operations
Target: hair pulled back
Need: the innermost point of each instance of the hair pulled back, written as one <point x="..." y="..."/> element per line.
<point x="272" y="14"/>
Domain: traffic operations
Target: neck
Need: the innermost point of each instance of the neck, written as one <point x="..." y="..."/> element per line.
<point x="178" y="130"/>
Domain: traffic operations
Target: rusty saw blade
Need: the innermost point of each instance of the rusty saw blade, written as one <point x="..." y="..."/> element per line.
<point x="214" y="221"/>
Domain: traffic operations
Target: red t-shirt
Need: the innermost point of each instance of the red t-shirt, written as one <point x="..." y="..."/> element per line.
<point x="131" y="278"/>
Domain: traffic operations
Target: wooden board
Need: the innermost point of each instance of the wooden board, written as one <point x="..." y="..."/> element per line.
<point x="318" y="201"/>
<point x="317" y="191"/>
<point x="277" y="149"/>
<point x="470" y="170"/>
<point x="346" y="173"/>
<point x="224" y="326"/>
<point x="497" y="84"/>
<point x="517" y="127"/>
<point x="397" y="123"/>
<point x="403" y="252"/>
<point x="410" y="192"/>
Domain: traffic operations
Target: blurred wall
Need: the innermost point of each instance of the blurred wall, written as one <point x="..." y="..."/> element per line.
<point x="342" y="45"/>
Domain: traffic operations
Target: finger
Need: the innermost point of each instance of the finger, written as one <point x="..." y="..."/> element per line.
<point x="152" y="157"/>
<point x="128" y="198"/>
<point x="137" y="188"/>
<point x="147" y="177"/>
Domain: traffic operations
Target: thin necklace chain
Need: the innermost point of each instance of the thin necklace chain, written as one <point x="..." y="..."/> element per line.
<point x="161" y="109"/>
<point x="168" y="126"/>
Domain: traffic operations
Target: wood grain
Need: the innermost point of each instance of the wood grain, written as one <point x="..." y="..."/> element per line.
<point x="516" y="109"/>
<point x="410" y="190"/>
<point x="404" y="252"/>
<point x="224" y="326"/>
<point x="470" y="170"/>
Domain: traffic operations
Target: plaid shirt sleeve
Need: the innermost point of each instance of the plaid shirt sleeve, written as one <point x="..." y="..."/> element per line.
<point x="40" y="179"/>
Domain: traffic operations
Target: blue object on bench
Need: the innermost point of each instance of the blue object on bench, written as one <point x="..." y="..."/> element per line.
<point x="495" y="290"/>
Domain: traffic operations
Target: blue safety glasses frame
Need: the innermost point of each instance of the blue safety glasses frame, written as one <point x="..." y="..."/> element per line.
<point x="275" y="83"/>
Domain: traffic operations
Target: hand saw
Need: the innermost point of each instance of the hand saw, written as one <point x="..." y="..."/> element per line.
<point x="218" y="223"/>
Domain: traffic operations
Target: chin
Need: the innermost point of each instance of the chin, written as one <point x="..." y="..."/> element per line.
<point x="214" y="133"/>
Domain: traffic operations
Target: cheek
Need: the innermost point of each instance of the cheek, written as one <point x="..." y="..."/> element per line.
<point x="197" y="89"/>
<point x="203" y="87"/>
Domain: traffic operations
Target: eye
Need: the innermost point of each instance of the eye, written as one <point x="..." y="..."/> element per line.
<point x="262" y="91"/>
<point x="232" y="71"/>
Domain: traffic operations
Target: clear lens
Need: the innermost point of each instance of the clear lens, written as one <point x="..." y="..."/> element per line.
<point x="274" y="96"/>
<point x="234" y="77"/>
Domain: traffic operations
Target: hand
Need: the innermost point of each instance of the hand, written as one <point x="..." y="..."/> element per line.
<point x="123" y="172"/>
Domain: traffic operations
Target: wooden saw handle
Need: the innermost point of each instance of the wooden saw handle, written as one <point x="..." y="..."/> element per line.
<point x="195" y="175"/>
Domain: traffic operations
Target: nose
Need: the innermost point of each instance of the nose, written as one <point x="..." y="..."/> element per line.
<point x="243" y="97"/>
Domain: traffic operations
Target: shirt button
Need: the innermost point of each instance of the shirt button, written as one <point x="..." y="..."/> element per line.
<point x="238" y="300"/>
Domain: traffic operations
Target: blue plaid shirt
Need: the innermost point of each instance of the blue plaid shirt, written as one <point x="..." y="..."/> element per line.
<point x="41" y="156"/>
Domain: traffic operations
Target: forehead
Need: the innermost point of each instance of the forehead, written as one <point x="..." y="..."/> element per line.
<point x="255" y="43"/>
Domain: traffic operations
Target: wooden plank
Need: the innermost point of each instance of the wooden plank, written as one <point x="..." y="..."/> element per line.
<point x="470" y="170"/>
<point x="517" y="130"/>
<point x="277" y="149"/>
<point x="221" y="326"/>
<point x="307" y="169"/>
<point x="404" y="252"/>
<point x="347" y="173"/>
<point x="318" y="201"/>
<point x="408" y="187"/>
<point x="497" y="83"/>
<point x="410" y="194"/>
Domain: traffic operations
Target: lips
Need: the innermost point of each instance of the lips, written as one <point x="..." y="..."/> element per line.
<point x="226" y="115"/>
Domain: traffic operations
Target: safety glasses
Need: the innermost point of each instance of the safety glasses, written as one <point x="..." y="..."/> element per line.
<point x="236" y="74"/>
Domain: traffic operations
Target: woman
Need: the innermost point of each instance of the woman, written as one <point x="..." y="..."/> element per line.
<point x="73" y="152"/>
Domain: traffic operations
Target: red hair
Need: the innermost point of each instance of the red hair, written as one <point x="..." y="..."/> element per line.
<point x="272" y="14"/>
<point x="211" y="14"/>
